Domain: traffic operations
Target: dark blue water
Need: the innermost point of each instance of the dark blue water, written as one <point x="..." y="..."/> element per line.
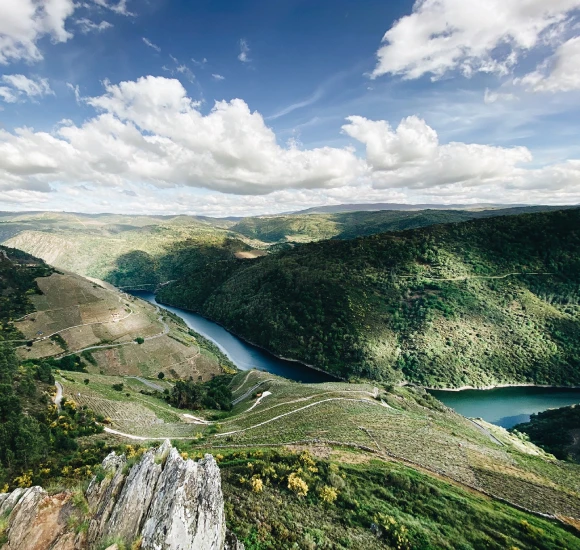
<point x="507" y="406"/>
<point x="245" y="356"/>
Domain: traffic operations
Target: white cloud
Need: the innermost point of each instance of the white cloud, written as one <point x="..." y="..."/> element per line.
<point x="8" y="95"/>
<point x="151" y="45"/>
<point x="561" y="74"/>
<point x="411" y="156"/>
<point x="150" y="148"/>
<point x="199" y="63"/>
<point x="20" y="86"/>
<point x="24" y="22"/>
<point x="244" y="51"/>
<point x="185" y="71"/>
<point x="75" y="88"/>
<point x="119" y="8"/>
<point x="87" y="26"/>
<point x="216" y="76"/>
<point x="150" y="131"/>
<point x="490" y="96"/>
<point x="470" y="35"/>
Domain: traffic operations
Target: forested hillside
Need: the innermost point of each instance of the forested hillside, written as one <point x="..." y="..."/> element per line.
<point x="35" y="438"/>
<point x="476" y="303"/>
<point x="308" y="227"/>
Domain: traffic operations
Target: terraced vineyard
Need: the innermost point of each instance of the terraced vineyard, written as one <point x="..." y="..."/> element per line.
<point x="74" y="314"/>
<point x="405" y="425"/>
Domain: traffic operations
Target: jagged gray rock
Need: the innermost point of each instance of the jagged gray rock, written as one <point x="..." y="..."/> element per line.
<point x="188" y="510"/>
<point x="102" y="494"/>
<point x="167" y="502"/>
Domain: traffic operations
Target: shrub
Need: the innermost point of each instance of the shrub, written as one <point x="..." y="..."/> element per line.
<point x="257" y="484"/>
<point x="297" y="485"/>
<point x="328" y="494"/>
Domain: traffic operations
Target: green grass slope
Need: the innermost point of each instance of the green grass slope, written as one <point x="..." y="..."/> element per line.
<point x="477" y="303"/>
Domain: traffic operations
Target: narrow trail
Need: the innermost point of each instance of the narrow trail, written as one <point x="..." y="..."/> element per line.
<point x="259" y="400"/>
<point x="148" y="383"/>
<point x="165" y="331"/>
<point x="58" y="396"/>
<point x="249" y="392"/>
<point x="467" y="277"/>
<point x="47" y="336"/>
<point x="486" y="432"/>
<point x="368" y="401"/>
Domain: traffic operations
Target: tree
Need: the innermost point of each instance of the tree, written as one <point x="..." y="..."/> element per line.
<point x="161" y="376"/>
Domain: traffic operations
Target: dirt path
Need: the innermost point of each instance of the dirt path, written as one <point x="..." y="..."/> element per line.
<point x="485" y="432"/>
<point x="58" y="396"/>
<point x="294" y="412"/>
<point x="265" y="394"/>
<point x="467" y="277"/>
<point x="249" y="392"/>
<point x="147" y="383"/>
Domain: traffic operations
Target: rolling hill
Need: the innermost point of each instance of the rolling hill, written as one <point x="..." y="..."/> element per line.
<point x="477" y="303"/>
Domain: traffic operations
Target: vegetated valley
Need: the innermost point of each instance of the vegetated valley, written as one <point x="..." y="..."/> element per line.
<point x="483" y="302"/>
<point x="330" y="465"/>
<point x="476" y="303"/>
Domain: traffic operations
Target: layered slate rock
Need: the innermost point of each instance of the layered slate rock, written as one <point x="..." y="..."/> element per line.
<point x="188" y="506"/>
<point x="164" y="501"/>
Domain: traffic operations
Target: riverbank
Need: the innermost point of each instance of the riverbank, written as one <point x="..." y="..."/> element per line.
<point x="242" y="352"/>
<point x="498" y="386"/>
<point x="243" y="339"/>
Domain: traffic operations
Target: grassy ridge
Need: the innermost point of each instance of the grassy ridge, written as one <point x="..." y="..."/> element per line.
<point x="482" y="302"/>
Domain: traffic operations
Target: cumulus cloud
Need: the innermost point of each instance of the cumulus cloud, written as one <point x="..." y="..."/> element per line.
<point x="216" y="76"/>
<point x="244" y="51"/>
<point x="20" y="87"/>
<point x="411" y="156"/>
<point x="151" y="131"/>
<point x="148" y="142"/>
<point x="470" y="35"/>
<point x="559" y="74"/>
<point x="24" y="22"/>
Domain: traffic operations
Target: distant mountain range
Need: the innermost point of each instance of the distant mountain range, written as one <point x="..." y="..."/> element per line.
<point x="372" y="207"/>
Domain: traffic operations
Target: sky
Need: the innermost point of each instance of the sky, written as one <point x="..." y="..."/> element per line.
<point x="246" y="107"/>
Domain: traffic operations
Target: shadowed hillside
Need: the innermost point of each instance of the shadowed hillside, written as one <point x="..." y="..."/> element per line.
<point x="479" y="303"/>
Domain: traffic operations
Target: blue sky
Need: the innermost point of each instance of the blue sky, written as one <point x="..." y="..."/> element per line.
<point x="109" y="105"/>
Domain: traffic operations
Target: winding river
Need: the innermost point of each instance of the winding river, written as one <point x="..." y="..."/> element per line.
<point x="502" y="406"/>
<point x="244" y="355"/>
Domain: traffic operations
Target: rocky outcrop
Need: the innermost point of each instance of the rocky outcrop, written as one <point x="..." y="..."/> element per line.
<point x="163" y="501"/>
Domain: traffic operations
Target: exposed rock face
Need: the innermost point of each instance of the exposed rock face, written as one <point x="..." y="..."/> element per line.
<point x="164" y="501"/>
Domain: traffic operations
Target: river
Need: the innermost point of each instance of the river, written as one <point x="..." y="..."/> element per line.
<point x="244" y="355"/>
<point x="502" y="406"/>
<point x="507" y="406"/>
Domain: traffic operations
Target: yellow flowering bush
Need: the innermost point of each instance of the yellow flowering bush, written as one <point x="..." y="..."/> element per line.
<point x="257" y="484"/>
<point x="328" y="494"/>
<point x="297" y="485"/>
